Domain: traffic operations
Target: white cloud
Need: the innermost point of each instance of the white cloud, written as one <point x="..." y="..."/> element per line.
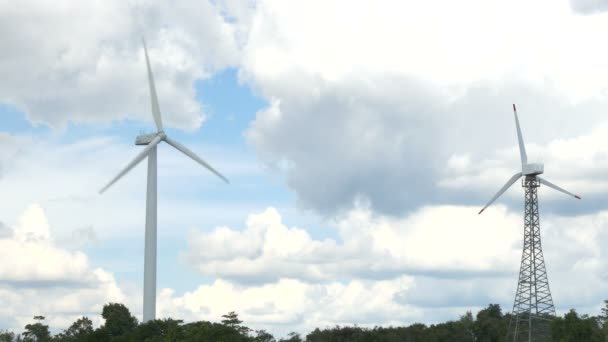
<point x="576" y="164"/>
<point x="444" y="241"/>
<point x="441" y="41"/>
<point x="432" y="265"/>
<point x="76" y="62"/>
<point x="39" y="260"/>
<point x="44" y="279"/>
<point x="372" y="103"/>
<point x="573" y="248"/>
<point x="292" y="305"/>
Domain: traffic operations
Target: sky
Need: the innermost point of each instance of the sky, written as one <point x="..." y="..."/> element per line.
<point x="360" y="141"/>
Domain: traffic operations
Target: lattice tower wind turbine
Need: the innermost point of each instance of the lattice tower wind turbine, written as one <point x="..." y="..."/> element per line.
<point x="533" y="306"/>
<point x="151" y="141"/>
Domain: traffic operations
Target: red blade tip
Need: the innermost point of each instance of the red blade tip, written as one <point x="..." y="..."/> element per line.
<point x="481" y="211"/>
<point x="577" y="196"/>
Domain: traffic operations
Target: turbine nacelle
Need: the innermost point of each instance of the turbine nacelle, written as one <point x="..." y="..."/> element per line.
<point x="532" y="169"/>
<point x="146" y="139"/>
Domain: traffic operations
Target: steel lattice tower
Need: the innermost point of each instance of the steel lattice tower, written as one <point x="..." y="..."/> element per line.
<point x="533" y="307"/>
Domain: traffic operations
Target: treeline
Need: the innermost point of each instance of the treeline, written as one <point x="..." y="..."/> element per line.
<point x="488" y="325"/>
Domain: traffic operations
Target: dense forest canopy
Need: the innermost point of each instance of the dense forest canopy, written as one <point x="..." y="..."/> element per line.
<point x="488" y="325"/>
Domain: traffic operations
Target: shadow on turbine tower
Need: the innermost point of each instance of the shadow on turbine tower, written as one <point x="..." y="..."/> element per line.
<point x="533" y="308"/>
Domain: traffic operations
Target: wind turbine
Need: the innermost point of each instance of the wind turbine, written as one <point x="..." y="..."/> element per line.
<point x="151" y="141"/>
<point x="533" y="306"/>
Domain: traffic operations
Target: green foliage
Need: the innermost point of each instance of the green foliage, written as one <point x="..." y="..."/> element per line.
<point x="119" y="321"/>
<point x="81" y="330"/>
<point x="461" y="330"/>
<point x="489" y="325"/>
<point x="263" y="336"/>
<point x="573" y="328"/>
<point x="603" y="319"/>
<point x="292" y="337"/>
<point x="335" y="334"/>
<point x="232" y="320"/>
<point x="37" y="332"/>
<point x="159" y="330"/>
<point x="7" y="336"/>
<point x="212" y="332"/>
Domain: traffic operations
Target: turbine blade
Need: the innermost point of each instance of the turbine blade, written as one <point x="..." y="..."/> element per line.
<point x="502" y="190"/>
<point x="520" y="139"/>
<point x="551" y="185"/>
<point x="137" y="160"/>
<point x="193" y="155"/>
<point x="153" y="98"/>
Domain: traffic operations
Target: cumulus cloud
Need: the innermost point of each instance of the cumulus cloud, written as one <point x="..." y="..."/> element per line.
<point x="573" y="250"/>
<point x="402" y="263"/>
<point x="387" y="139"/>
<point x="355" y="115"/>
<point x="370" y="247"/>
<point x="413" y="38"/>
<point x="350" y="140"/>
<point x="573" y="163"/>
<point x="76" y="62"/>
<point x="292" y="305"/>
<point x="42" y="278"/>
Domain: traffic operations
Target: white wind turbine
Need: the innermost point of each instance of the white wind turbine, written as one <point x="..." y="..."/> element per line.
<point x="533" y="306"/>
<point x="527" y="169"/>
<point x="151" y="140"/>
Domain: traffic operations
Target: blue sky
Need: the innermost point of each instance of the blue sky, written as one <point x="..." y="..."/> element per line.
<point x="231" y="107"/>
<point x="357" y="165"/>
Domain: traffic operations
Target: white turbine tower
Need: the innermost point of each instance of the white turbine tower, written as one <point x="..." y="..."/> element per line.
<point x="151" y="140"/>
<point x="533" y="306"/>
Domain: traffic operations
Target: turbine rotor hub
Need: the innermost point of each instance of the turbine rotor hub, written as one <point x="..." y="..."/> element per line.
<point x="146" y="139"/>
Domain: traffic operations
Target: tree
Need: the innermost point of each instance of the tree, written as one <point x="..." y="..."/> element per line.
<point x="159" y="330"/>
<point x="467" y="324"/>
<point x="263" y="336"/>
<point x="293" y="337"/>
<point x="7" y="336"/>
<point x="78" y="331"/>
<point x="452" y="331"/>
<point x="232" y="320"/>
<point x="119" y="320"/>
<point x="573" y="328"/>
<point x="212" y="332"/>
<point x="603" y="318"/>
<point x="338" y="333"/>
<point x="490" y="324"/>
<point x="37" y="332"/>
